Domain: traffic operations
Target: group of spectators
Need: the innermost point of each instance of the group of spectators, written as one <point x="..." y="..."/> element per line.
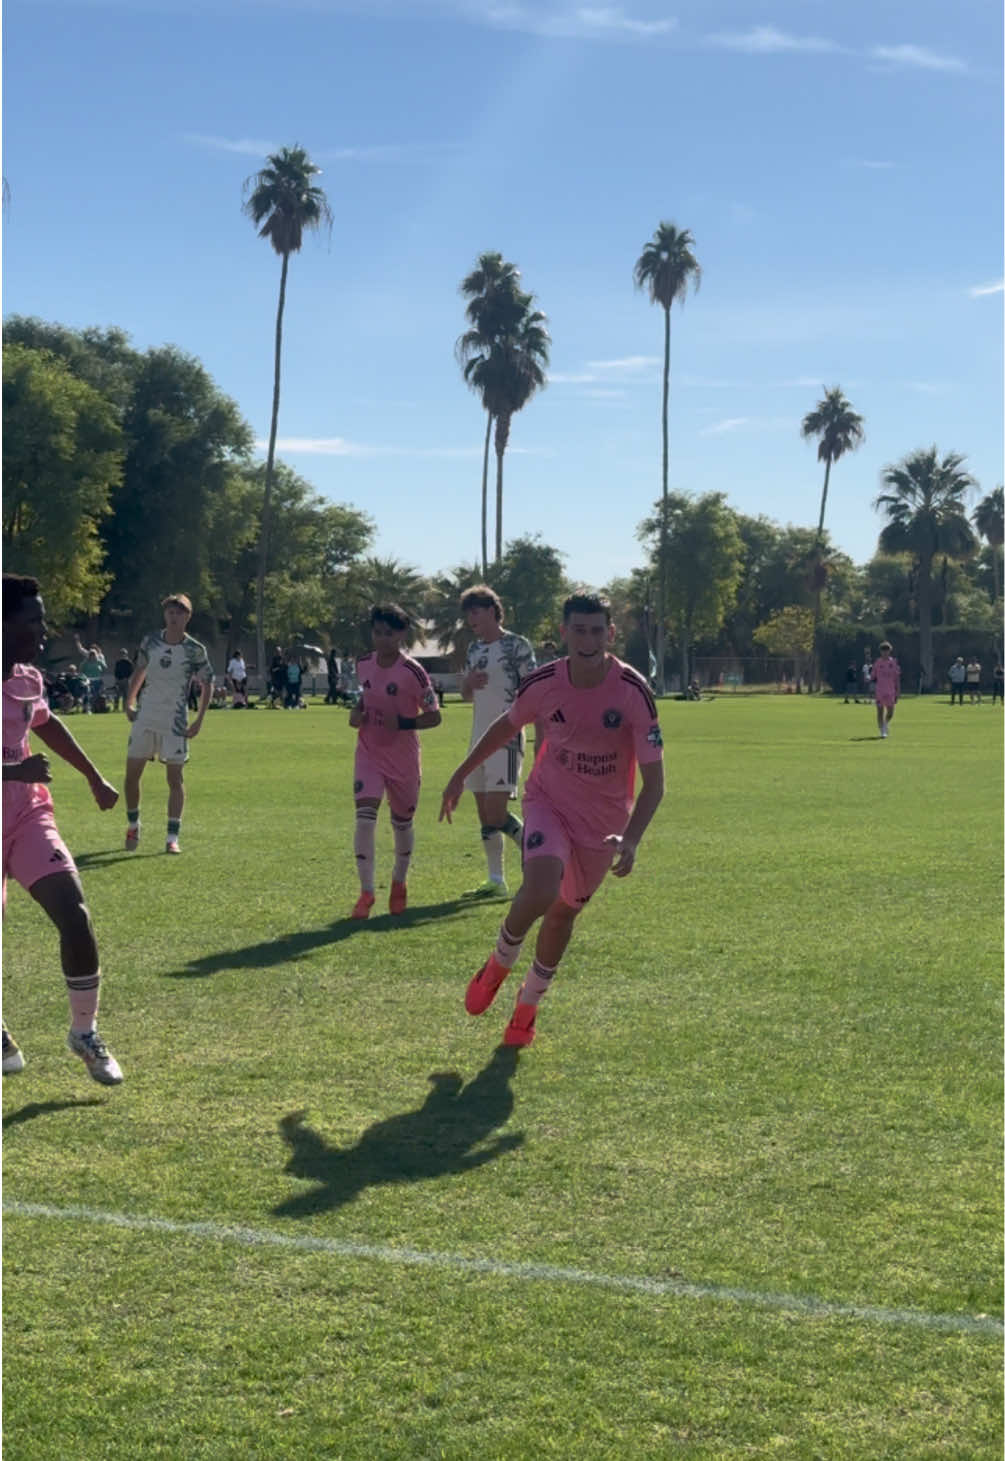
<point x="965" y="676"/>
<point x="82" y="687"/>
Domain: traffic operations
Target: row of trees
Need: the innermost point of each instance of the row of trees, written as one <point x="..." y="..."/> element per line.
<point x="127" y="473"/>
<point x="504" y="354"/>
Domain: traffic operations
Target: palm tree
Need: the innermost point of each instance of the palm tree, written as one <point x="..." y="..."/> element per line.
<point x="667" y="268"/>
<point x="838" y="429"/>
<point x="443" y="608"/>
<point x="924" y="507"/>
<point x="501" y="318"/>
<point x="989" y="520"/>
<point x="282" y="203"/>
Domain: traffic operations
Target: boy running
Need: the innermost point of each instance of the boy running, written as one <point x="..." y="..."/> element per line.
<point x="33" y="852"/>
<point x="166" y="664"/>
<point x="397" y="701"/>
<point x="497" y="662"/>
<point x="886" y="679"/>
<point x="600" y="720"/>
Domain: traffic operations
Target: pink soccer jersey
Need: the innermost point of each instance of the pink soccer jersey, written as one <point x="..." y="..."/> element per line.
<point x="886" y="678"/>
<point x="24" y="706"/>
<point x="405" y="689"/>
<point x="594" y="737"/>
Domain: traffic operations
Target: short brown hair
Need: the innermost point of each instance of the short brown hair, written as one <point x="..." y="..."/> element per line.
<point x="181" y="599"/>
<point x="480" y="596"/>
<point x="586" y="603"/>
<point x="885" y="645"/>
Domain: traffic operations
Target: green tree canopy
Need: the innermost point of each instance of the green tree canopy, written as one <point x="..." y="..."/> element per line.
<point x="924" y="505"/>
<point x="702" y="564"/>
<point x="62" y="463"/>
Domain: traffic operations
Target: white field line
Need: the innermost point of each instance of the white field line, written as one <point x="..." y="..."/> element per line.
<point x="526" y="1272"/>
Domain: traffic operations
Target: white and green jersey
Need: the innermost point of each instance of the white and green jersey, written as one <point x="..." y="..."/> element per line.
<point x="507" y="660"/>
<point x="170" y="669"/>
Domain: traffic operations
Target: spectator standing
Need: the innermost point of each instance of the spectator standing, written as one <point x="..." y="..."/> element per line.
<point x="998" y="683"/>
<point x="957" y="677"/>
<point x="92" y="667"/>
<point x="237" y="674"/>
<point x="974" y="680"/>
<point x="123" y="674"/>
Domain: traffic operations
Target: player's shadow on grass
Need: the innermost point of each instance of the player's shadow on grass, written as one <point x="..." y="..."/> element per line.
<point x="97" y="860"/>
<point x="46" y="1108"/>
<point x="292" y="946"/>
<point x="876" y="737"/>
<point x="443" y="1137"/>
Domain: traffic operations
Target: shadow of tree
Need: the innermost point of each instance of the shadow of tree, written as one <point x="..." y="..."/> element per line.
<point x="437" y="1139"/>
<point x="46" y="1108"/>
<point x="290" y="946"/>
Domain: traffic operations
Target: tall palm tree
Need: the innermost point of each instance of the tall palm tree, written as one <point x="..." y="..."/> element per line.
<point x="838" y="429"/>
<point x="989" y="520"/>
<point x="282" y="203"/>
<point x="506" y="373"/>
<point x="496" y="305"/>
<point x="926" y="515"/>
<point x="667" y="268"/>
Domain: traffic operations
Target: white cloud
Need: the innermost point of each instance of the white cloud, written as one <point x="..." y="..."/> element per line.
<point x="918" y="56"/>
<point x="765" y="40"/>
<point x="731" y="423"/>
<point x="751" y="423"/>
<point x="565" y="378"/>
<point x="979" y="290"/>
<point x="339" y="446"/>
<point x="247" y="146"/>
<point x="628" y="364"/>
<point x="583" y="23"/>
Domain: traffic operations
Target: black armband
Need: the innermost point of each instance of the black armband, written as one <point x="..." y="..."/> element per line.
<point x="406" y="722"/>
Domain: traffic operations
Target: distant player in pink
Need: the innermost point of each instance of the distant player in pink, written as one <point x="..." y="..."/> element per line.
<point x="34" y="854"/>
<point x="398" y="700"/>
<point x="579" y="819"/>
<point x="886" y="679"/>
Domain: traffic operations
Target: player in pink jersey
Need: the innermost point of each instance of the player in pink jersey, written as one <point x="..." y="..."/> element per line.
<point x="886" y="679"/>
<point x="398" y="700"/>
<point x="581" y="816"/>
<point x="33" y="851"/>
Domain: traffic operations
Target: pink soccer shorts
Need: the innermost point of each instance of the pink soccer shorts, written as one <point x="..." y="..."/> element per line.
<point x="371" y="781"/>
<point x="33" y="849"/>
<point x="546" y="835"/>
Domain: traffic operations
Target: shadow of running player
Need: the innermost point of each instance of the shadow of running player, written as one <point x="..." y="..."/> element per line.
<point x="436" y="1140"/>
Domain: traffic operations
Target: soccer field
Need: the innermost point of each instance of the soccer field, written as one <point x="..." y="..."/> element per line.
<point x="742" y="1197"/>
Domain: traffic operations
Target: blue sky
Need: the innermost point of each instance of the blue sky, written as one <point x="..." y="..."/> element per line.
<point x="839" y="167"/>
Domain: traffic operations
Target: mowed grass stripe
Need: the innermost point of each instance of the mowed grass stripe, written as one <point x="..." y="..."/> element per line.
<point x="526" y="1272"/>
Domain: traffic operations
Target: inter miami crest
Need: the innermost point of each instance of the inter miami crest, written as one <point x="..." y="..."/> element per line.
<point x="535" y="839"/>
<point x="392" y="688"/>
<point x="612" y="719"/>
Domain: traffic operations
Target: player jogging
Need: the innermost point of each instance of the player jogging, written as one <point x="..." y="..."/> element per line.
<point x="496" y="664"/>
<point x="886" y="680"/>
<point x="166" y="664"/>
<point x="579" y="820"/>
<point x="398" y="700"/>
<point x="34" y="854"/>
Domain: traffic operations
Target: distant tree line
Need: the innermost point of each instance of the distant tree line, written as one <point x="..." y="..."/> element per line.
<point x="128" y="474"/>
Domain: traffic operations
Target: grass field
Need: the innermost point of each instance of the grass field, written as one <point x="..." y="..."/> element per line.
<point x="742" y="1198"/>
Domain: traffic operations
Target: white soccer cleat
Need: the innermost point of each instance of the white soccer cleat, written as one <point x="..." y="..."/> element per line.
<point x="101" y="1064"/>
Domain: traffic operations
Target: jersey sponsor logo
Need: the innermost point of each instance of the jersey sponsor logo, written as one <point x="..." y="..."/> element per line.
<point x="654" y="736"/>
<point x="612" y="719"/>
